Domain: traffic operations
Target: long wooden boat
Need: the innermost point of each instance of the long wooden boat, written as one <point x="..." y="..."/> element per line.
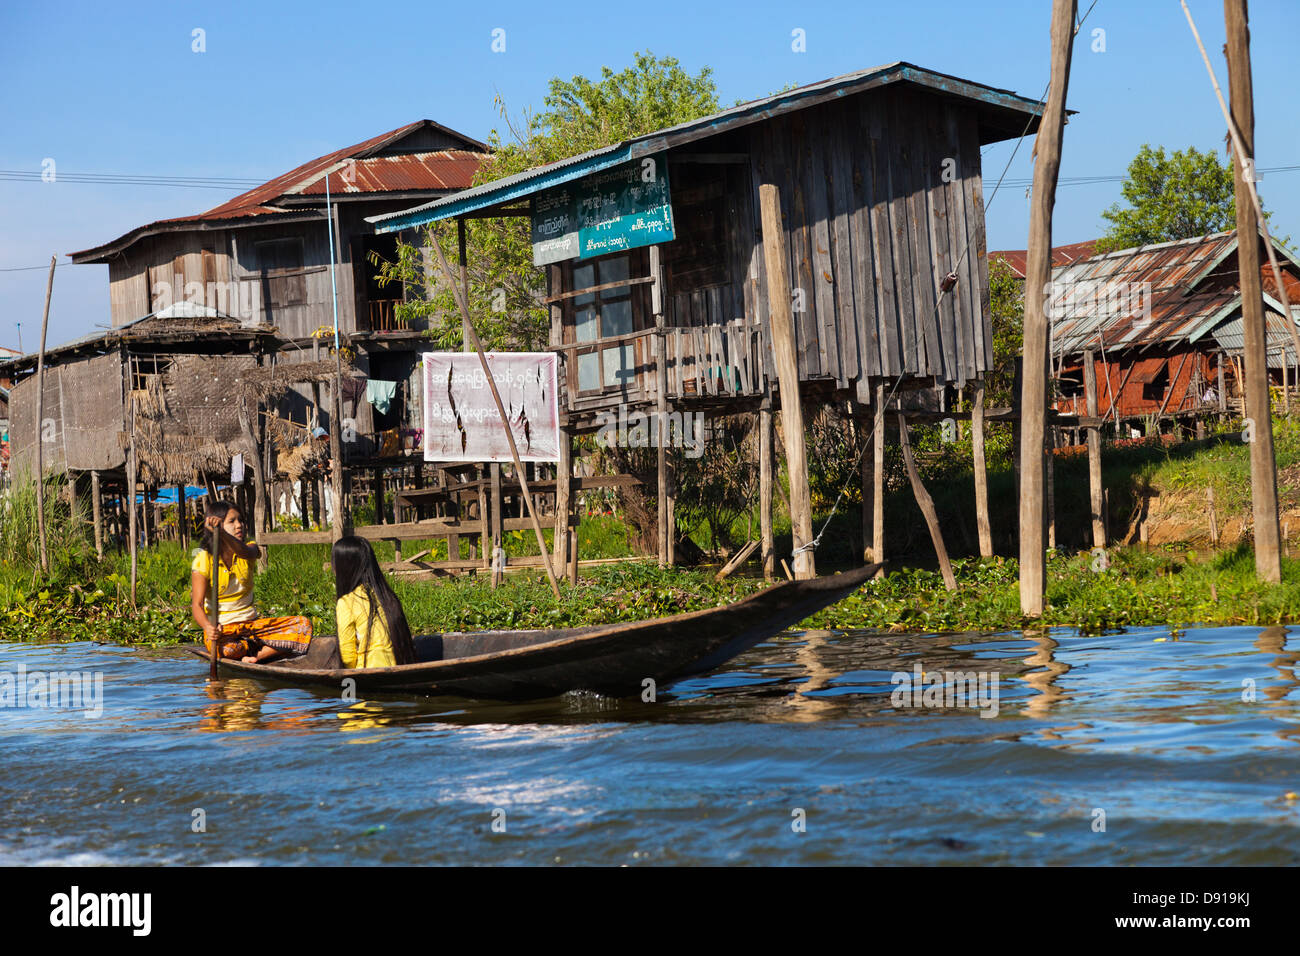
<point x="609" y="659"/>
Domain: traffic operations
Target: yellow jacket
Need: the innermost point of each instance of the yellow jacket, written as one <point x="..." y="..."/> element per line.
<point x="360" y="643"/>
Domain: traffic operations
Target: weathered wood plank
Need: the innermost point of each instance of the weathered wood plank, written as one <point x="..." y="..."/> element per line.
<point x="842" y="207"/>
<point x="963" y="296"/>
<point x="820" y="255"/>
<point x="944" y="256"/>
<point x="921" y="273"/>
<point x="893" y="262"/>
<point x="973" y="194"/>
<point x="865" y="291"/>
<point x="794" y="202"/>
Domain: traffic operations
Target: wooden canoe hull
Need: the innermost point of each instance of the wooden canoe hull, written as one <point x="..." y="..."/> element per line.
<point x="610" y="659"/>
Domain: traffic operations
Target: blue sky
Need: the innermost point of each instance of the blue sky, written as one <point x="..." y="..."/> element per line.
<point x="116" y="88"/>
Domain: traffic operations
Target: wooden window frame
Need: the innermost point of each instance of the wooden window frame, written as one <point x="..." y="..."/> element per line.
<point x="286" y="285"/>
<point x="630" y="290"/>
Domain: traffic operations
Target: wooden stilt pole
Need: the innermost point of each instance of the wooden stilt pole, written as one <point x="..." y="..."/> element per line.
<point x="97" y="514"/>
<point x="1051" y="488"/>
<point x="1094" y="452"/>
<point x="982" y="523"/>
<point x="1038" y="272"/>
<point x="131" y="467"/>
<point x="146" y="503"/>
<point x="878" y="482"/>
<point x="182" y="516"/>
<point x="563" y="497"/>
<point x="766" y="493"/>
<point x="573" y="558"/>
<point x="783" y="348"/>
<point x="926" y="504"/>
<point x="866" y="467"/>
<point x="496" y="513"/>
<point x="40" y="431"/>
<point x="660" y="346"/>
<point x="72" y="496"/>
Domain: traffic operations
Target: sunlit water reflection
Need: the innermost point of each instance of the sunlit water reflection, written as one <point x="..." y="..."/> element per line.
<point x="1183" y="744"/>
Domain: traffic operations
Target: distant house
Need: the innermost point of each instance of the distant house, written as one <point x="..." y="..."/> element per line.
<point x="242" y="292"/>
<point x="263" y="257"/>
<point x="1061" y="256"/>
<point x="1163" y="327"/>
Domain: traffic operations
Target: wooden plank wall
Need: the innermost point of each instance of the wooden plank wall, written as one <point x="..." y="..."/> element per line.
<point x="222" y="269"/>
<point x="873" y="224"/>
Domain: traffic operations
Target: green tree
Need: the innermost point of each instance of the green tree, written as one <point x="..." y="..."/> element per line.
<point x="506" y="290"/>
<point x="1175" y="196"/>
<point x="1007" y="315"/>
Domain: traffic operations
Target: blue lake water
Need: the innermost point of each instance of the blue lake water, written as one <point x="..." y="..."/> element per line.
<point x="1147" y="747"/>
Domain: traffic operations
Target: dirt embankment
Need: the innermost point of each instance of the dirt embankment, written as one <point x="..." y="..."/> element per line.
<point x="1177" y="517"/>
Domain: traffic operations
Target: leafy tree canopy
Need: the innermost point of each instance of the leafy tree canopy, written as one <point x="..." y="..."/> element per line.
<point x="1171" y="196"/>
<point x="580" y="114"/>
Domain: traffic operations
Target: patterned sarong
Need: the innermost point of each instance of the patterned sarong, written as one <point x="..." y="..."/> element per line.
<point x="243" y="639"/>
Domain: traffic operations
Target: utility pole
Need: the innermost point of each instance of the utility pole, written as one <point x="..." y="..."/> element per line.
<point x="1038" y="274"/>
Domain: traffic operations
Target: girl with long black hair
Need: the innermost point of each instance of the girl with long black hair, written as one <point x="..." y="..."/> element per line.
<point x="241" y="632"/>
<point x="372" y="627"/>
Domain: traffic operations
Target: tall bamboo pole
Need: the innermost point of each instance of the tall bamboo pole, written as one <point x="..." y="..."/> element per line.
<point x="1038" y="273"/>
<point x="40" y="413"/>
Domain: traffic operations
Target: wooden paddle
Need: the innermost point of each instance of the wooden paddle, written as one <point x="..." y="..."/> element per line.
<point x="216" y="601"/>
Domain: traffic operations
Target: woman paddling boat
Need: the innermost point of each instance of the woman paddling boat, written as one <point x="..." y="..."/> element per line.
<point x="242" y="634"/>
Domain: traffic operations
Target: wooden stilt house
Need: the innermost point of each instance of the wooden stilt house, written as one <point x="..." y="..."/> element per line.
<point x="1161" y="326"/>
<point x="653" y="247"/>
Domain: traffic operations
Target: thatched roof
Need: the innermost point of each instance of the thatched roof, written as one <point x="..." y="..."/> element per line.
<point x="192" y="419"/>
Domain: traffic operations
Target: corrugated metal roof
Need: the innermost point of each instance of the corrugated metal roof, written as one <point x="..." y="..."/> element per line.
<point x="1018" y="113"/>
<point x="434" y="170"/>
<point x="1134" y="297"/>
<point x="1164" y="293"/>
<point x="444" y="169"/>
<point x="1231" y="336"/>
<point x="1061" y="255"/>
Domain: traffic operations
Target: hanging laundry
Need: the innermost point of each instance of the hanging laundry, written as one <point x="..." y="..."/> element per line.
<point x="380" y="394"/>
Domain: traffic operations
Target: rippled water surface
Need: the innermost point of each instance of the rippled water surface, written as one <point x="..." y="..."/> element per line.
<point x="1143" y="747"/>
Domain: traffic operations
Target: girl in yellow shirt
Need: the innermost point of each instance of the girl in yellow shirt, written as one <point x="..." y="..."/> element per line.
<point x="372" y="627"/>
<point x="242" y="634"/>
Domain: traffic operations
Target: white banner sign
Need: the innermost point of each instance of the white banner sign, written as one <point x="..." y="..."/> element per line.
<point x="461" y="421"/>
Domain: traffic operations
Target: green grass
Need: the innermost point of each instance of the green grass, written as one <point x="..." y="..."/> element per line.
<point x="1160" y="587"/>
<point x="84" y="598"/>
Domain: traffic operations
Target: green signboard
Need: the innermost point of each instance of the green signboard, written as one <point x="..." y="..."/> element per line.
<point x="610" y="211"/>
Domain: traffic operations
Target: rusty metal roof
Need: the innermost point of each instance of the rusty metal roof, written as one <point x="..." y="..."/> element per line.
<point x="1134" y="298"/>
<point x="1061" y="255"/>
<point x="444" y="169"/>
<point x="354" y="169"/>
